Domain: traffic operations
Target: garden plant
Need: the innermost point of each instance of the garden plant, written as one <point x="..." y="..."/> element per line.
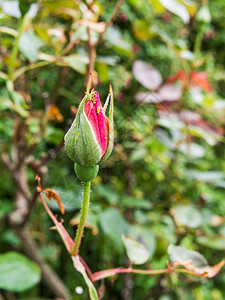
<point x="112" y="149"/>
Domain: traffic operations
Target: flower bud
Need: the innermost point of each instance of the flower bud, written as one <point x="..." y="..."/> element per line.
<point x="203" y="15"/>
<point x="89" y="140"/>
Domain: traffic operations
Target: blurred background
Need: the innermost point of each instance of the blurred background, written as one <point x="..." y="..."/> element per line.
<point x="164" y="182"/>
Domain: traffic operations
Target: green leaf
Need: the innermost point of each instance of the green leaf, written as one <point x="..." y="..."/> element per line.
<point x="11" y="238"/>
<point x="113" y="224"/>
<point x="54" y="135"/>
<point x="6" y="207"/>
<point x="80" y="33"/>
<point x="137" y="252"/>
<point x="192" y="150"/>
<point x="107" y="193"/>
<point x="108" y="60"/>
<point x="76" y="62"/>
<point x="210" y="137"/>
<point x="18" y="103"/>
<point x="132" y="202"/>
<point x="220" y="184"/>
<point x="57" y="4"/>
<point x="193" y="262"/>
<point x="158" y="8"/>
<point x="18" y="273"/>
<point x="187" y="215"/>
<point x="207" y="176"/>
<point x="141" y="30"/>
<point x="103" y="71"/>
<point x="144" y="236"/>
<point x="24" y="7"/>
<point x="213" y="242"/>
<point x="2" y="74"/>
<point x="181" y="255"/>
<point x="29" y="45"/>
<point x="138" y="154"/>
<point x="165" y="229"/>
<point x="80" y="268"/>
<point x="114" y="37"/>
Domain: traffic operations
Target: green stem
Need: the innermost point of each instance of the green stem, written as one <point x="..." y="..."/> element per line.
<point x="16" y="47"/>
<point x="84" y="211"/>
<point x="22" y="70"/>
<point x="198" y="41"/>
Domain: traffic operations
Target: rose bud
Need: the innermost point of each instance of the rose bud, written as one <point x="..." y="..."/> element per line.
<point x="89" y="140"/>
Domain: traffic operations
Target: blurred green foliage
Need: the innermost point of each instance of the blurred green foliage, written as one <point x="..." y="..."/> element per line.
<point x="164" y="182"/>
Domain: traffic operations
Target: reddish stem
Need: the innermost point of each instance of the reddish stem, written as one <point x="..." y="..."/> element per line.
<point x="110" y="272"/>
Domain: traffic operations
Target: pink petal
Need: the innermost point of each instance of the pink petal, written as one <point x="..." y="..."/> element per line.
<point x="99" y="122"/>
<point x="103" y="124"/>
<point x="91" y="114"/>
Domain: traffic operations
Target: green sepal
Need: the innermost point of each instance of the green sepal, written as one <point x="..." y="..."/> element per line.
<point x="87" y="148"/>
<point x="106" y="102"/>
<point x="73" y="133"/>
<point x="86" y="173"/>
<point x="111" y="124"/>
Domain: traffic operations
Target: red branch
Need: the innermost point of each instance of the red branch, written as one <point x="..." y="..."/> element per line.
<point x="111" y="272"/>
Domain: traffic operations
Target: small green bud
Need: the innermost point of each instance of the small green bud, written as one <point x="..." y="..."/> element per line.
<point x="86" y="173"/>
<point x="203" y="15"/>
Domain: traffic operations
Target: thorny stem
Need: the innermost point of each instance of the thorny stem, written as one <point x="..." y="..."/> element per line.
<point x="110" y="272"/>
<point x="16" y="47"/>
<point x="211" y="272"/>
<point x="84" y="211"/>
